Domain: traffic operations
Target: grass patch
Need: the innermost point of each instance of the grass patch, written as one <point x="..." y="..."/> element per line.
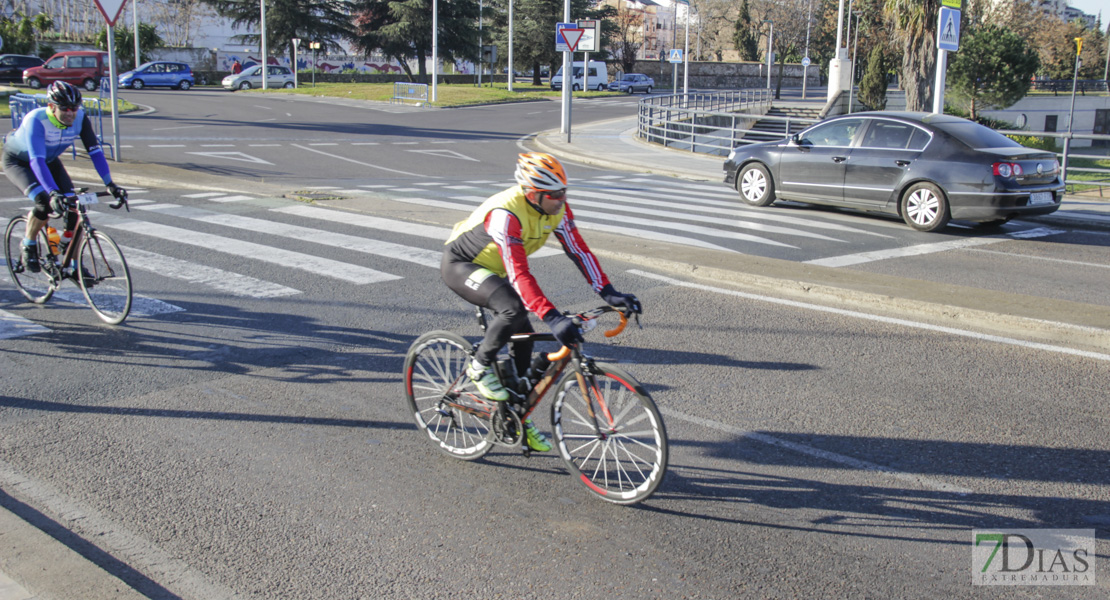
<point x="1088" y="163"/>
<point x="447" y="95"/>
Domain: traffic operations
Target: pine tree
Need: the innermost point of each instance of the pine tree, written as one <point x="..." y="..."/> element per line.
<point x="872" y="88"/>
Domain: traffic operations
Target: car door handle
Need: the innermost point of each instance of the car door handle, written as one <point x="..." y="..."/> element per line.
<point x="902" y="163"/>
<point x="839" y="159"/>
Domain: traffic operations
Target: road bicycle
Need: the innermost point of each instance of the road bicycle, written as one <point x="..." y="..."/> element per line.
<point x="92" y="260"/>
<point x="606" y="426"/>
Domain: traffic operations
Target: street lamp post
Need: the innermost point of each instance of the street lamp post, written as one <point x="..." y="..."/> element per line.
<point x="265" y="81"/>
<point x="805" y="64"/>
<point x="296" y="42"/>
<point x="135" y="18"/>
<point x="770" y="58"/>
<point x="1071" y="112"/>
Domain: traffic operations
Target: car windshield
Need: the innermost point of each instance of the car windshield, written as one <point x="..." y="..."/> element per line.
<point x="976" y="135"/>
<point x="628" y="78"/>
<point x="144" y="66"/>
<point x="253" y="70"/>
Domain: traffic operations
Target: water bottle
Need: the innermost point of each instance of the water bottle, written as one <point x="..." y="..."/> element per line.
<point x="67" y="237"/>
<point x="53" y="238"/>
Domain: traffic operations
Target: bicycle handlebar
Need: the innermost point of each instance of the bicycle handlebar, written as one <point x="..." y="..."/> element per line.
<point x="588" y="316"/>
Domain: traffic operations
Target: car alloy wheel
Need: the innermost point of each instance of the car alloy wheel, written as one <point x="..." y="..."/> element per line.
<point x="924" y="207"/>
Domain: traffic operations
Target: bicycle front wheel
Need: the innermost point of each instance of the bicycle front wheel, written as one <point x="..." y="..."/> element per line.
<point x="37" y="287"/>
<point x="103" y="276"/>
<point x="620" y="453"/>
<point x="436" y="384"/>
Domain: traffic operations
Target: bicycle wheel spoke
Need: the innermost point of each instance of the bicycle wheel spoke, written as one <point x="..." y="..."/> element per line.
<point x="36" y="287"/>
<point x="103" y="276"/>
<point x="434" y="372"/>
<point x="617" y="464"/>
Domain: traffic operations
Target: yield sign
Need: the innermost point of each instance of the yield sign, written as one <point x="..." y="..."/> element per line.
<point x="110" y="9"/>
<point x="573" y="36"/>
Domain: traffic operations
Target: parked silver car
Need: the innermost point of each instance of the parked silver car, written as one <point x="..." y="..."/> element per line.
<point x="629" y="83"/>
<point x="251" y="77"/>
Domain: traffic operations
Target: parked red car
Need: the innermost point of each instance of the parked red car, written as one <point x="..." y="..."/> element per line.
<point x="80" y="67"/>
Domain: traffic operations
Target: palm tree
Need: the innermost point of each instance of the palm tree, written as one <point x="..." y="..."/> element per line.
<point x="915" y="25"/>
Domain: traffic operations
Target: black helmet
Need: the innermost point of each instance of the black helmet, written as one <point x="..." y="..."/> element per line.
<point x="64" y="95"/>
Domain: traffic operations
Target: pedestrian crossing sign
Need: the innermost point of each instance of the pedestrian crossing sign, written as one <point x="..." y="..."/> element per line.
<point x="948" y="29"/>
<point x="676" y="55"/>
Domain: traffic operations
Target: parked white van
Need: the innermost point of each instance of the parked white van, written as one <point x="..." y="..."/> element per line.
<point x="598" y="78"/>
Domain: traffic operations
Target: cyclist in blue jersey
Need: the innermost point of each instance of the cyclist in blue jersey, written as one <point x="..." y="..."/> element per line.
<point x="32" y="161"/>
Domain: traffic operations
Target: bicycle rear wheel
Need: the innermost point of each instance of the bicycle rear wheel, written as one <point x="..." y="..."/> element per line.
<point x="435" y="377"/>
<point x="103" y="276"/>
<point x="624" y="457"/>
<point x="37" y="287"/>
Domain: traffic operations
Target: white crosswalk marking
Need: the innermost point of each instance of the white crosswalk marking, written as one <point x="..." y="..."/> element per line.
<point x="218" y="279"/>
<point x="428" y="258"/>
<point x="141" y="306"/>
<point x="279" y="256"/>
<point x="13" y="326"/>
<point x="204" y="195"/>
<point x="234" y="198"/>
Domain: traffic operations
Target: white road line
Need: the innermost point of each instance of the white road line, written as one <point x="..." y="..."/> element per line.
<point x="218" y="279"/>
<point x="13" y="326"/>
<point x="360" y="220"/>
<point x="203" y="195"/>
<point x="166" y="146"/>
<point x="357" y="162"/>
<point x="686" y="227"/>
<point x="264" y="145"/>
<point x="217" y="145"/>
<point x="365" y="143"/>
<point x="237" y="198"/>
<point x="1044" y="258"/>
<point x="420" y="256"/>
<point x="180" y="579"/>
<point x="865" y="257"/>
<point x="694" y="204"/>
<point x="847" y="461"/>
<point x="323" y="144"/>
<point x="238" y="248"/>
<point x="888" y="320"/>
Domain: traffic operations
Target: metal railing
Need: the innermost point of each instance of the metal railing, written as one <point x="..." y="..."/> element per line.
<point x="404" y="91"/>
<point x="21" y="104"/>
<point x="715" y="123"/>
<point x="708" y="123"/>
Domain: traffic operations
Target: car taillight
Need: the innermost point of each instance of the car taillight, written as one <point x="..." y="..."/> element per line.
<point x="1007" y="169"/>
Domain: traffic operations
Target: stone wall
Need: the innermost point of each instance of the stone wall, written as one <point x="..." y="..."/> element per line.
<point x="723" y="75"/>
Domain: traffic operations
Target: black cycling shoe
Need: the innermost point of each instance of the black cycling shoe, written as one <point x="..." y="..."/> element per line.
<point x="89" y="279"/>
<point x="31" y="258"/>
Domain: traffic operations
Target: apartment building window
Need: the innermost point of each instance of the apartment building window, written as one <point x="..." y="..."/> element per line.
<point x="1102" y="126"/>
<point x="1050" y="123"/>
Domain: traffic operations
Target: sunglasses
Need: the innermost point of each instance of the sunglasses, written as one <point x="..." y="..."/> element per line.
<point x="556" y="195"/>
<point x="66" y="108"/>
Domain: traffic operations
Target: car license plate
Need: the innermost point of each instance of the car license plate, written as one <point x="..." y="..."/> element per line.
<point x="1041" y="198"/>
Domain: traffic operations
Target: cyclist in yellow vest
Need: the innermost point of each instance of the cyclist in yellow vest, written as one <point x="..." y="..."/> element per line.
<point x="486" y="263"/>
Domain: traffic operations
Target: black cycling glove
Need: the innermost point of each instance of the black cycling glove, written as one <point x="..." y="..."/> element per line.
<point x="59" y="204"/>
<point x="616" y="299"/>
<point x="563" y="327"/>
<point x="116" y="191"/>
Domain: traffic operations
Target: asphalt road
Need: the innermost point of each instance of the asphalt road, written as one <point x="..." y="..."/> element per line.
<point x="243" y="435"/>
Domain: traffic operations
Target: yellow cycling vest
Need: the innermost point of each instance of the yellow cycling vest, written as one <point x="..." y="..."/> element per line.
<point x="535" y="227"/>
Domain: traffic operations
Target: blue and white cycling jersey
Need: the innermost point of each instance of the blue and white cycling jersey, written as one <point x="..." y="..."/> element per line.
<point x="38" y="141"/>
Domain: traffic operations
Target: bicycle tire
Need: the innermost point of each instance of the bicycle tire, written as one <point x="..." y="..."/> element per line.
<point x="435" y="362"/>
<point x="36" y="287"/>
<point x="625" y="464"/>
<point x="108" y="286"/>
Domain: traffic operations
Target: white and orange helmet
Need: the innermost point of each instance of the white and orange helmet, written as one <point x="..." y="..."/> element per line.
<point x="540" y="172"/>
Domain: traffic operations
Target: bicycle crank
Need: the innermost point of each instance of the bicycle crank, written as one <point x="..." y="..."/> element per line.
<point x="506" y="428"/>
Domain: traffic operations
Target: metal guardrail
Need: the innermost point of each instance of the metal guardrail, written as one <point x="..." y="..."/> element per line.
<point x="21" y="104"/>
<point x="715" y="123"/>
<point x="409" y="92"/>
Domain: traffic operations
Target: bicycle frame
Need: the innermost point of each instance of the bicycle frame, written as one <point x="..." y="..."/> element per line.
<point x="526" y="403"/>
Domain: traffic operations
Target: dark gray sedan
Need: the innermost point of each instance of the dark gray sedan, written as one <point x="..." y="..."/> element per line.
<point x="924" y="167"/>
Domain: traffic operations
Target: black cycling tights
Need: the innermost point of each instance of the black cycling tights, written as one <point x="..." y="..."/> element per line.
<point x="481" y="287"/>
<point x="21" y="174"/>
